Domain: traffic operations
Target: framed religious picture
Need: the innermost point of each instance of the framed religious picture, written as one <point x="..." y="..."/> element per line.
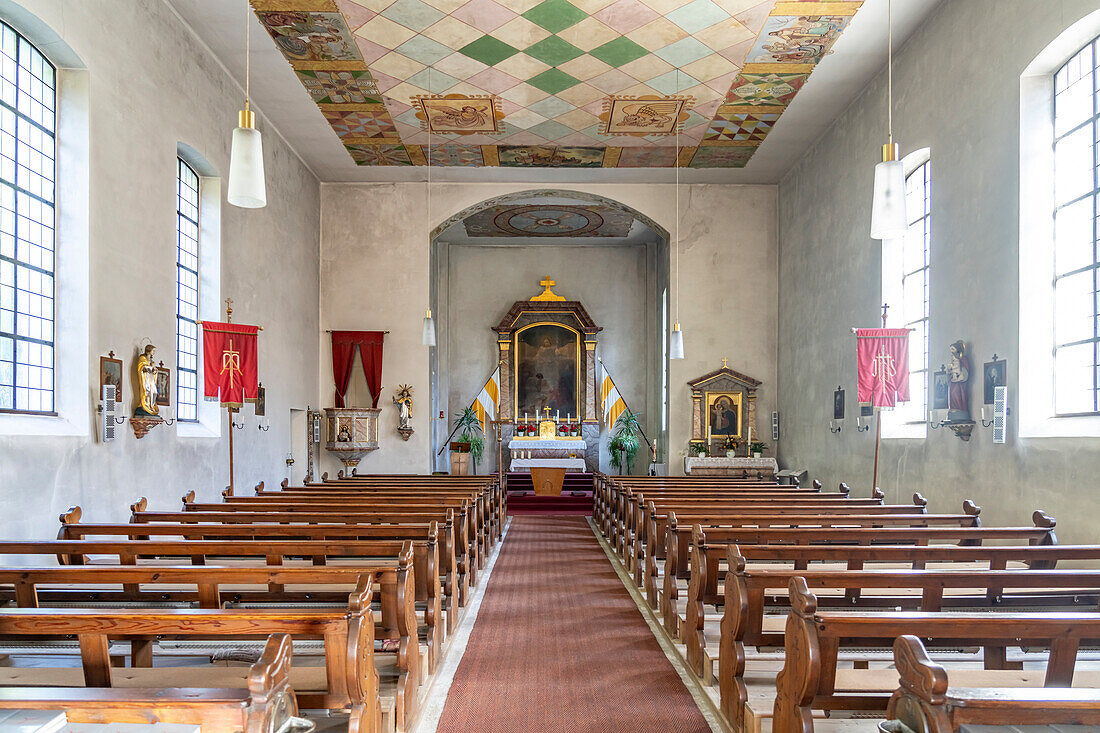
<point x="994" y="374"/>
<point x="723" y="415"/>
<point x="164" y="385"/>
<point x="110" y="372"/>
<point x="261" y="402"/>
<point x="838" y="404"/>
<point x="941" y="386"/>
<point x="547" y="368"/>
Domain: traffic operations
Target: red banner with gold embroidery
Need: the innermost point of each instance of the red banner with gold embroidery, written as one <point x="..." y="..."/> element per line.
<point x="229" y="358"/>
<point x="882" y="366"/>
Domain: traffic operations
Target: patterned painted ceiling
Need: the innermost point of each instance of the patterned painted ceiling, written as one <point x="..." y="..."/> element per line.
<point x="554" y="83"/>
<point x="549" y="220"/>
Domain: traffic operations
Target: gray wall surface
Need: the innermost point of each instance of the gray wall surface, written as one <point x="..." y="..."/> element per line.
<point x="609" y="280"/>
<point x="376" y="274"/>
<point x="150" y="84"/>
<point x="956" y="91"/>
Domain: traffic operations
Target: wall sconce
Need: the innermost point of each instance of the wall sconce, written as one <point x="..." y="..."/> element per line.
<point x="860" y="426"/>
<point x="289" y="460"/>
<point x="234" y="423"/>
<point x="834" y="426"/>
<point x="933" y="422"/>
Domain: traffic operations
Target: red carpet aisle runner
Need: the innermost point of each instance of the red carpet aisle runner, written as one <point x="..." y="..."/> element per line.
<point x="560" y="646"/>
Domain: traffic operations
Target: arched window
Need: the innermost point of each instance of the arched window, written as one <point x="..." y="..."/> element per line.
<point x="187" y="292"/>
<point x="1058" y="384"/>
<point x="906" y="289"/>
<point x="1076" y="259"/>
<point x="27" y="130"/>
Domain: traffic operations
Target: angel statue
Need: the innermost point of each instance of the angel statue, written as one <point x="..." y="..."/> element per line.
<point x="145" y="373"/>
<point x="403" y="400"/>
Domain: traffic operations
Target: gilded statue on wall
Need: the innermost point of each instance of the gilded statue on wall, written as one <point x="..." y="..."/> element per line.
<point x="145" y="383"/>
<point x="403" y="401"/>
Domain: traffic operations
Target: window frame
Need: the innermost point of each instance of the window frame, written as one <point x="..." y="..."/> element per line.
<point x="181" y="166"/>
<point x="892" y="283"/>
<point x="22" y="118"/>
<point x="1092" y="122"/>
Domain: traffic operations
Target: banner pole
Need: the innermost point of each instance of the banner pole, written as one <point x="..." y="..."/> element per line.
<point x="229" y="412"/>
<point x="878" y="421"/>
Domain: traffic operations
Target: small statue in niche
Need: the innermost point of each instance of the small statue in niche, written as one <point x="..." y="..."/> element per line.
<point x="958" y="391"/>
<point x="403" y="401"/>
<point x="145" y="383"/>
<point x="344" y="435"/>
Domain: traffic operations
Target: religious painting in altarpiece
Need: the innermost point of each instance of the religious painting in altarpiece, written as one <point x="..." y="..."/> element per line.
<point x="547" y="369"/>
<point x="723" y="415"/>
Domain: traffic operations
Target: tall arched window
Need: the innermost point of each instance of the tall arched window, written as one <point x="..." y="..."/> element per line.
<point x="187" y="292"/>
<point x="27" y="129"/>
<point x="906" y="289"/>
<point x="1076" y="258"/>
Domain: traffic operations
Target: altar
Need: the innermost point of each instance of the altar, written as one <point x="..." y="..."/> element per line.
<point x="549" y="398"/>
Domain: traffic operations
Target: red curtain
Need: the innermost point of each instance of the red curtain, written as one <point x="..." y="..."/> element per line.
<point x="370" y="353"/>
<point x="229" y="355"/>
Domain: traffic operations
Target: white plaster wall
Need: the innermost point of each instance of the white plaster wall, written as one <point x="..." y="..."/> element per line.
<point x="610" y="280"/>
<point x="375" y="274"/>
<point x="151" y="85"/>
<point x="957" y="91"/>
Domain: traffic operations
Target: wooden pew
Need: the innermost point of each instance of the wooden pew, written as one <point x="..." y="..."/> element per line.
<point x="369" y="555"/>
<point x="926" y="702"/>
<point x="748" y="594"/>
<point x="809" y="679"/>
<point x="1040" y="534"/>
<point x="350" y="684"/>
<point x="452" y="538"/>
<point x="475" y="555"/>
<point x="151" y="586"/>
<point x="264" y="706"/>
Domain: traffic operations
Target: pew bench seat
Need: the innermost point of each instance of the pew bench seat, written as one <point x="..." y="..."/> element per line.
<point x="307" y="678"/>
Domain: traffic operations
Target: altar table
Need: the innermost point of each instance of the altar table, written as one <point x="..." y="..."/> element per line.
<point x="547" y="474"/>
<point x="722" y="466"/>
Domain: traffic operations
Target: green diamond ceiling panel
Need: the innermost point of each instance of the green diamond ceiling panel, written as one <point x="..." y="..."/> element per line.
<point x="523" y="83"/>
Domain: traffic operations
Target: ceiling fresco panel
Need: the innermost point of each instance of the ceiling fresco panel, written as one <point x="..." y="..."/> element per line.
<point x="554" y="83"/>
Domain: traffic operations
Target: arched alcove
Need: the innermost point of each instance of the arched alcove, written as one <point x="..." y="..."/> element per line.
<point x="601" y="253"/>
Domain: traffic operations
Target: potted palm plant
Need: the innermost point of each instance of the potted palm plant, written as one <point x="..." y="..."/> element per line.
<point x="470" y="444"/>
<point x="757" y="448"/>
<point x="624" y="442"/>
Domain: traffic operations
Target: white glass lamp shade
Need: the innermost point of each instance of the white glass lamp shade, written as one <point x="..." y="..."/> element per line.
<point x="246" y="169"/>
<point x="427" y="333"/>
<point x="888" y="219"/>
<point x="676" y="346"/>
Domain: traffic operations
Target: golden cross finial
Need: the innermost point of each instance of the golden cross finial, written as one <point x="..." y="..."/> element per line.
<point x="725" y="363"/>
<point x="228" y="309"/>
<point x="547" y="294"/>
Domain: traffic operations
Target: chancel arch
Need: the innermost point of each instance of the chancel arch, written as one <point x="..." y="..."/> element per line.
<point x="573" y="275"/>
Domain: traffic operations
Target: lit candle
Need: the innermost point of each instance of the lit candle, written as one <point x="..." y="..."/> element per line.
<point x="983" y="412"/>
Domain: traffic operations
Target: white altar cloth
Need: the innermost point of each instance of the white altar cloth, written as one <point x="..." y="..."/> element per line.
<point x="566" y="444"/>
<point x="526" y="464"/>
<point x="748" y="464"/>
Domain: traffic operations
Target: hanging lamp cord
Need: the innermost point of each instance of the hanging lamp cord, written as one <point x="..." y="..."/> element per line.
<point x="676" y="165"/>
<point x="890" y="70"/>
<point x="247" y="55"/>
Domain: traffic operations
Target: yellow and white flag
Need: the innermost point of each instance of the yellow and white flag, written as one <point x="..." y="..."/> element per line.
<point x="486" y="403"/>
<point x="610" y="400"/>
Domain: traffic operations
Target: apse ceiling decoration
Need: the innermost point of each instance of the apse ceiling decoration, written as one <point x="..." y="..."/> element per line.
<point x="548" y="220"/>
<point x="554" y="83"/>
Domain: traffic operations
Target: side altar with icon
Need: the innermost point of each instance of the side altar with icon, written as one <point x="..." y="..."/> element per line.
<point x="548" y="408"/>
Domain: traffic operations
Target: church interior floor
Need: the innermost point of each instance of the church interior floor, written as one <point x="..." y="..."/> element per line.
<point x="560" y="645"/>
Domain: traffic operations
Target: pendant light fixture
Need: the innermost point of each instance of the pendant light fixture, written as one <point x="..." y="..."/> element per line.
<point x="246" y="157"/>
<point x="676" y="345"/>
<point x="427" y="331"/>
<point x="888" y="218"/>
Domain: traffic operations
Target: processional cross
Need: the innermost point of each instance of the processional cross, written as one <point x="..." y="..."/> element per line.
<point x="725" y="363"/>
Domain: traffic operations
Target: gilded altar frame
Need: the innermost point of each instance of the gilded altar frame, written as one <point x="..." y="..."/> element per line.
<point x="712" y="386"/>
<point x="577" y="381"/>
